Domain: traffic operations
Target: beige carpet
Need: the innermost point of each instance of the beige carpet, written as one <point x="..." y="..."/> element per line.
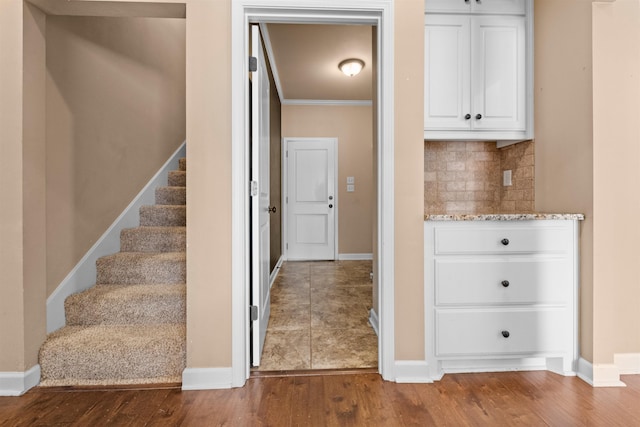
<point x="130" y="327"/>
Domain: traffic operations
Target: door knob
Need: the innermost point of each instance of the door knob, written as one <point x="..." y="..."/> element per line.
<point x="272" y="209"/>
<point x="330" y="206"/>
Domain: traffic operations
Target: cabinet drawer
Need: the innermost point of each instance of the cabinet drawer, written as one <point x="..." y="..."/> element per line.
<point x="502" y="240"/>
<point x="479" y="332"/>
<point x="510" y="281"/>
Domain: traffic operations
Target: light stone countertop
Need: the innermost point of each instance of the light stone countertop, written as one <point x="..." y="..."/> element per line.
<point x="504" y="217"/>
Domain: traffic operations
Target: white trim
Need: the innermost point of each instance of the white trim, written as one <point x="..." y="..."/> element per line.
<point x="285" y="191"/>
<point x="355" y="257"/>
<point x="412" y="371"/>
<point x="372" y="12"/>
<point x="272" y="60"/>
<point x="83" y="275"/>
<point x="373" y="321"/>
<point x="585" y="371"/>
<point x="18" y="383"/>
<point x="330" y="102"/>
<point x="627" y="363"/>
<point x="206" y="378"/>
<point x="606" y="375"/>
<point x="276" y="270"/>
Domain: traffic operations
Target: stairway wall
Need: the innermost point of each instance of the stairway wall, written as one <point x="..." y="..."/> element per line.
<point x="115" y="107"/>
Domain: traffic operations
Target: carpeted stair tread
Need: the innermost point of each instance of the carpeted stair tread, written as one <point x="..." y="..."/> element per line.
<point x="182" y="164"/>
<point x="163" y="215"/>
<point x="130" y="268"/>
<point x="171" y="195"/>
<point x="153" y="239"/>
<point x="130" y="353"/>
<point x="127" y="304"/>
<point x="177" y="179"/>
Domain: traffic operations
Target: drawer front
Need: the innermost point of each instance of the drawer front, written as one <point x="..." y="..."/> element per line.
<point x="479" y="332"/>
<point x="502" y="240"/>
<point x="510" y="281"/>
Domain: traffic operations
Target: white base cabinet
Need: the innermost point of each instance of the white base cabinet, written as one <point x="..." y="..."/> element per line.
<point x="501" y="295"/>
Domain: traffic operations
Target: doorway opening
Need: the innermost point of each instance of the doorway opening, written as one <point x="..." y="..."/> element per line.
<point x="378" y="16"/>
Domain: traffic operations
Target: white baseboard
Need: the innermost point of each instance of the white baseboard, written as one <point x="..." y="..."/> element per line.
<point x="83" y="275"/>
<point x="355" y="257"/>
<point x="606" y="375"/>
<point x="493" y="365"/>
<point x="412" y="371"/>
<point x="373" y="321"/>
<point x="585" y="371"/>
<point x="206" y="378"/>
<point x="18" y="383"/>
<point x="276" y="270"/>
<point x="627" y="363"/>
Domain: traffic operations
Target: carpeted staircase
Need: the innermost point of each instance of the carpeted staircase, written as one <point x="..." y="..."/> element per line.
<point x="130" y="327"/>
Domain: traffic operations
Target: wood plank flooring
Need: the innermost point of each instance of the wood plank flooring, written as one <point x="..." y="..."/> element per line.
<point x="491" y="399"/>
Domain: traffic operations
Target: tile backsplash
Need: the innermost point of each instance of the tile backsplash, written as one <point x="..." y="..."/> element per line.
<point x="466" y="178"/>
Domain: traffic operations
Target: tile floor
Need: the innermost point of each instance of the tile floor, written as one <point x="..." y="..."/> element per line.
<point x="320" y="317"/>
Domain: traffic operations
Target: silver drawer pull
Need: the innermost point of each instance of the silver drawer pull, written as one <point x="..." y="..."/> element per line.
<point x="505" y="283"/>
<point x="504" y="241"/>
<point x="505" y="334"/>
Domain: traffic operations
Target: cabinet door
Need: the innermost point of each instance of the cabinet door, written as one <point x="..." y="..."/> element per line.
<point x="447" y="6"/>
<point x="499" y="7"/>
<point x="447" y="65"/>
<point x="512" y="7"/>
<point x="498" y="73"/>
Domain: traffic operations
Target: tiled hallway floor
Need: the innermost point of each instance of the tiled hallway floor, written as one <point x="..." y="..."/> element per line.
<point x="320" y="317"/>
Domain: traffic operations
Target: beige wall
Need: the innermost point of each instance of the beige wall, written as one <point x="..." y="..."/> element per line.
<point x="115" y="113"/>
<point x="616" y="175"/>
<point x="352" y="125"/>
<point x="563" y="132"/>
<point x="22" y="185"/>
<point x="209" y="187"/>
<point x="409" y="170"/>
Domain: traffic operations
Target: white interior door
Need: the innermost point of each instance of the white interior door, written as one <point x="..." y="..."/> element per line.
<point x="260" y="295"/>
<point x="310" y="198"/>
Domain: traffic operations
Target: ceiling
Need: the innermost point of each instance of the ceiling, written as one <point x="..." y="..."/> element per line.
<point x="305" y="60"/>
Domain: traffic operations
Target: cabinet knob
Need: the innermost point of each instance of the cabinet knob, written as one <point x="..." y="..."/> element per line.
<point x="467" y="116"/>
<point x="505" y="283"/>
<point x="466" y="1"/>
<point x="505" y="334"/>
<point x="504" y="241"/>
<point x="478" y="116"/>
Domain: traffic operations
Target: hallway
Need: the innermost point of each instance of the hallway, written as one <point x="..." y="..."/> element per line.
<point x="320" y="317"/>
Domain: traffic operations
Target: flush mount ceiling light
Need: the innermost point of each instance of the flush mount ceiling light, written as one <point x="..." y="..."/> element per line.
<point x="351" y="66"/>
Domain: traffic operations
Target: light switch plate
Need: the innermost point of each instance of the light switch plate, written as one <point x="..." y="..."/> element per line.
<point x="351" y="180"/>
<point x="506" y="178"/>
<point x="351" y="188"/>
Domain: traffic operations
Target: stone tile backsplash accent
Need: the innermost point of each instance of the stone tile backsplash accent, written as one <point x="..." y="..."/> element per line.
<point x="466" y="178"/>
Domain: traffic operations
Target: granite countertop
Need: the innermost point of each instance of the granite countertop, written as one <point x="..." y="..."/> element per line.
<point x="504" y="217"/>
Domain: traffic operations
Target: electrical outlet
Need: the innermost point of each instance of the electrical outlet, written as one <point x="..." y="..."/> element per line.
<point x="351" y="180"/>
<point x="506" y="178"/>
<point x="351" y="188"/>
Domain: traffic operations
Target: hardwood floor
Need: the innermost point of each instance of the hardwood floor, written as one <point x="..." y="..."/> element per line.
<point x="495" y="399"/>
<point x="320" y="317"/>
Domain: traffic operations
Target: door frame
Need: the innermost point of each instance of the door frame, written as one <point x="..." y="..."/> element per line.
<point x="378" y="13"/>
<point x="285" y="189"/>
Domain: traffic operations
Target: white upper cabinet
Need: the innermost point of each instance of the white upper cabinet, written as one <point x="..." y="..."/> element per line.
<point x="498" y="7"/>
<point x="478" y="74"/>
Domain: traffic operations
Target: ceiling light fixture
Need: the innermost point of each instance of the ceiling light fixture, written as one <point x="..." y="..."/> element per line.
<point x="351" y="66"/>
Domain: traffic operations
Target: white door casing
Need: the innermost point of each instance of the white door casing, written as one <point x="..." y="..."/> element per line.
<point x="260" y="229"/>
<point x="373" y="12"/>
<point x="310" y="209"/>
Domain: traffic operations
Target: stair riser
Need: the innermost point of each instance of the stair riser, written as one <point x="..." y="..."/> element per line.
<point x="160" y="271"/>
<point x="177" y="179"/>
<point x="163" y="216"/>
<point x="145" y="240"/>
<point x="88" y="358"/>
<point x="171" y="196"/>
<point x="104" y="308"/>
